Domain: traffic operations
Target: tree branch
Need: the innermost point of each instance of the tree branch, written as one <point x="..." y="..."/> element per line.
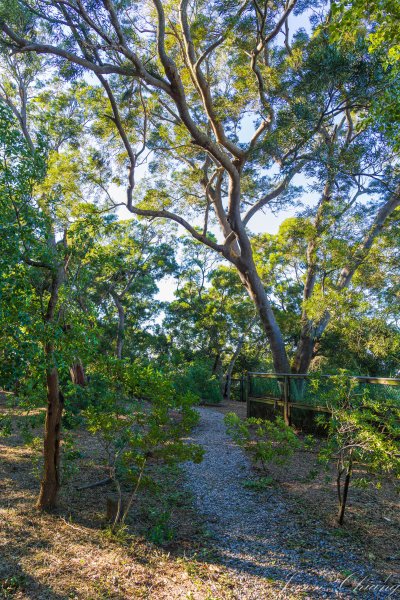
<point x="277" y="191"/>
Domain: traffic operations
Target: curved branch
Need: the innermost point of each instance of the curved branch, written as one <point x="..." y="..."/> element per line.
<point x="203" y="86"/>
<point x="272" y="34"/>
<point x="361" y="253"/>
<point x="166" y="214"/>
<point x="23" y="45"/>
<point x="277" y="191"/>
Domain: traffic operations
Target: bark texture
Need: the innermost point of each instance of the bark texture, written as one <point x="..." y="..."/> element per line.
<point x="50" y="483"/>
<point x="257" y="293"/>
<point x="78" y="376"/>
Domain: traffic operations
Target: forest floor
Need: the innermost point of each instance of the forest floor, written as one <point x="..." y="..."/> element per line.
<point x="372" y="515"/>
<point x="178" y="542"/>
<point x="286" y="533"/>
<point x="72" y="554"/>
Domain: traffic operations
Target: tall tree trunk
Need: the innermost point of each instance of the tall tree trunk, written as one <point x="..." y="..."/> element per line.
<point x="217" y="364"/>
<point x="311" y="332"/>
<point x="50" y="483"/>
<point x="52" y="431"/>
<point x="257" y="293"/>
<point x="310" y="336"/>
<point x="77" y="372"/>
<point x="305" y="346"/>
<point x="304" y="352"/>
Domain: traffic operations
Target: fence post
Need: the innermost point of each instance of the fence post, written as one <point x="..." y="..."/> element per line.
<point x="286" y="407"/>
<point x="247" y="389"/>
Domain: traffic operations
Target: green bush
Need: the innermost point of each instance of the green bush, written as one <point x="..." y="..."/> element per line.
<point x="198" y="379"/>
<point x="141" y="417"/>
<point x="259" y="484"/>
<point x="364" y="432"/>
<point x="5" y="426"/>
<point x="265" y="441"/>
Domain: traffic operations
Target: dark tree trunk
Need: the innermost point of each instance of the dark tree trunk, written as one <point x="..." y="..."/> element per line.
<point x="343" y="497"/>
<point x="55" y="403"/>
<point x="78" y="376"/>
<point x="304" y="353"/>
<point x="217" y="366"/>
<point x="50" y="483"/>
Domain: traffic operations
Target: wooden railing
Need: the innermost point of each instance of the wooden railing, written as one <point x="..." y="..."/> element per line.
<point x="286" y="391"/>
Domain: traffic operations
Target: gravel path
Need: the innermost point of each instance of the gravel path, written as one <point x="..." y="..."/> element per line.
<point x="255" y="534"/>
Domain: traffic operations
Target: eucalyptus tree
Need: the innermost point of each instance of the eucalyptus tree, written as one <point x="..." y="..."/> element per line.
<point x="364" y="325"/>
<point x="35" y="248"/>
<point x="187" y="83"/>
<point x="32" y="219"/>
<point x="122" y="269"/>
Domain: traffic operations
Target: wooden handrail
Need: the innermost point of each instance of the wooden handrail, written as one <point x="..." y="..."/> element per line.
<point x="361" y="379"/>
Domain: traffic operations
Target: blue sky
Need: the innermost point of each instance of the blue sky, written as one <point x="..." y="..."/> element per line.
<point x="263" y="222"/>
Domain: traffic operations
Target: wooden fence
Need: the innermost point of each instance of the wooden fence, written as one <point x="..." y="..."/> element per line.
<point x="297" y="397"/>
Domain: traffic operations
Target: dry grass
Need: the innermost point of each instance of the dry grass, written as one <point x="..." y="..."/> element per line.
<point x="163" y="553"/>
<point x="71" y="552"/>
<point x="372" y="515"/>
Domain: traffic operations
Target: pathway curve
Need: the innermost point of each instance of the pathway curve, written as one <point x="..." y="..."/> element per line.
<point x="255" y="534"/>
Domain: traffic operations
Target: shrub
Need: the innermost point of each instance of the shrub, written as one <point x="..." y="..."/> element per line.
<point x="5" y="426"/>
<point x="364" y="431"/>
<point x="265" y="441"/>
<point x="259" y="484"/>
<point x="141" y="417"/>
<point x="198" y="379"/>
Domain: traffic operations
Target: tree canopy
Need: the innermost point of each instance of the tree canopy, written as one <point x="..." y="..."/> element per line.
<point x="227" y="109"/>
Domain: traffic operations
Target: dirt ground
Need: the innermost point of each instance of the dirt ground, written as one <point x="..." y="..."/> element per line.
<point x="71" y="554"/>
<point x="163" y="553"/>
<point x="372" y="515"/>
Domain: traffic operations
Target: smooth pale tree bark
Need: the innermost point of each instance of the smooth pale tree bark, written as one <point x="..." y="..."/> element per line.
<point x="311" y="331"/>
<point x="255" y="288"/>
